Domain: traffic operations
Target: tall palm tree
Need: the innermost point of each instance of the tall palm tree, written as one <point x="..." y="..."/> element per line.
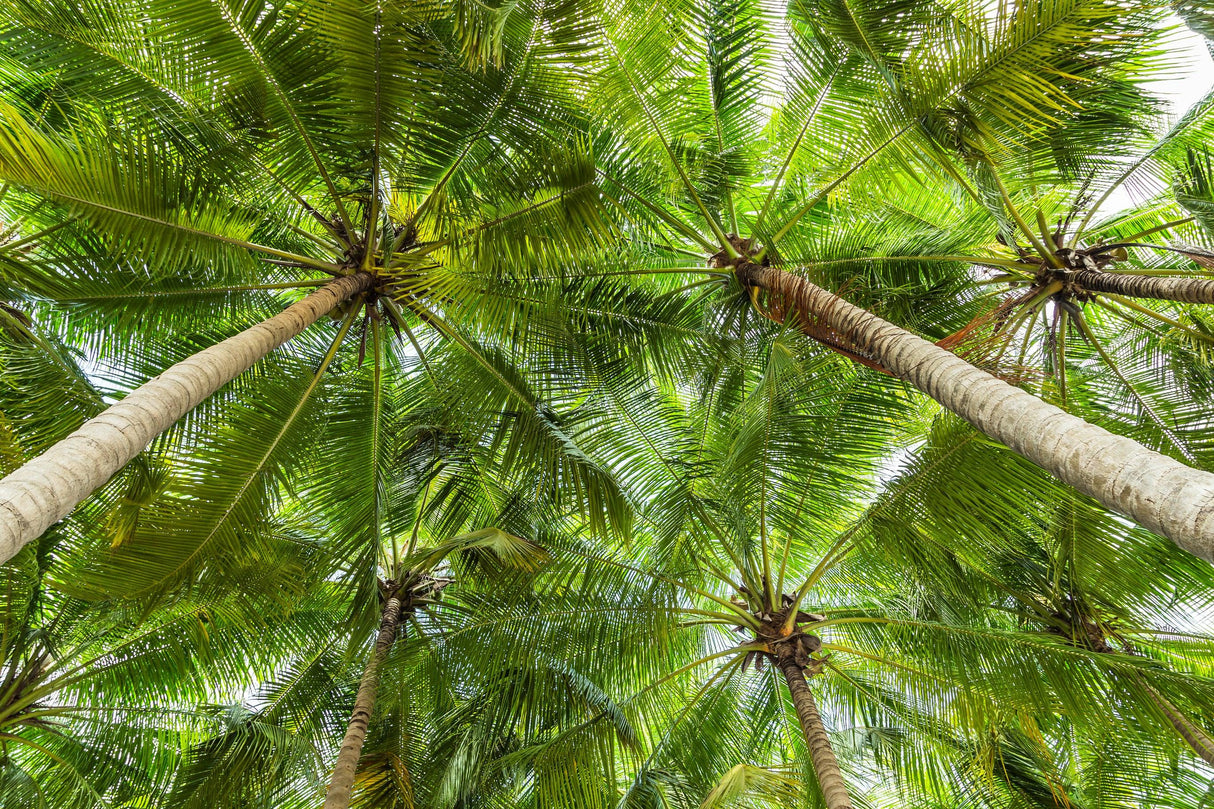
<point x="451" y="159"/>
<point x="687" y="151"/>
<point x="924" y="583"/>
<point x="753" y="496"/>
<point x="214" y="507"/>
<point x="393" y="693"/>
<point x="400" y="462"/>
<point x="414" y="583"/>
<point x="1074" y="282"/>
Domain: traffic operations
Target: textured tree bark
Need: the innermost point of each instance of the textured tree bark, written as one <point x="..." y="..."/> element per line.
<point x="1184" y="290"/>
<point x="1159" y="492"/>
<point x="48" y="487"/>
<point x="826" y="766"/>
<point x="341" y="785"/>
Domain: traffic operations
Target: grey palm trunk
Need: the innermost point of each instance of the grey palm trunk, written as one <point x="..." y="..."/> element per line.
<point x="1159" y="492"/>
<point x="47" y="488"/>
<point x="341" y="785"/>
<point x="822" y="756"/>
<point x="1181" y="290"/>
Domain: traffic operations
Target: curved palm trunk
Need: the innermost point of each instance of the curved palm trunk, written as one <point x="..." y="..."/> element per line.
<point x="341" y="784"/>
<point x="48" y="487"/>
<point x="826" y="766"/>
<point x="1159" y="492"/>
<point x="1183" y="290"/>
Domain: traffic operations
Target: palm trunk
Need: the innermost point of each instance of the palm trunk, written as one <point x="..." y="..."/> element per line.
<point x="1159" y="492"/>
<point x="47" y="488"/>
<point x="341" y="784"/>
<point x="1194" y="736"/>
<point x="1184" y="290"/>
<point x="826" y="766"/>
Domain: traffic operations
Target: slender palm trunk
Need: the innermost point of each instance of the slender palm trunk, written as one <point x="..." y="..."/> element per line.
<point x="1197" y="739"/>
<point x="341" y="784"/>
<point x="47" y="488"/>
<point x="1159" y="492"/>
<point x="1184" y="290"/>
<point x="826" y="766"/>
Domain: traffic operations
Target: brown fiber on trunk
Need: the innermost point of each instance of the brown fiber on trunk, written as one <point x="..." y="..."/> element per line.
<point x="826" y="766"/>
<point x="815" y="329"/>
<point x="1184" y="290"/>
<point x="1159" y="492"/>
<point x="341" y="785"/>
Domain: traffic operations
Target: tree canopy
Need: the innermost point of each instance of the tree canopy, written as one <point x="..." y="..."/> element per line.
<point x="602" y="403"/>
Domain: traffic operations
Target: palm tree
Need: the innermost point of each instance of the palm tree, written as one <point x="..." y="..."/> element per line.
<point x="408" y="202"/>
<point x="202" y="519"/>
<point x="1074" y="283"/>
<point x="400" y="462"/>
<point x="691" y="160"/>
<point x="97" y="698"/>
<point x="974" y="585"/>
<point x="754" y="502"/>
<point x="276" y="748"/>
<point x="413" y="585"/>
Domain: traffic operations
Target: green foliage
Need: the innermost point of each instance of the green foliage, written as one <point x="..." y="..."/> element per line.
<point x="558" y="428"/>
